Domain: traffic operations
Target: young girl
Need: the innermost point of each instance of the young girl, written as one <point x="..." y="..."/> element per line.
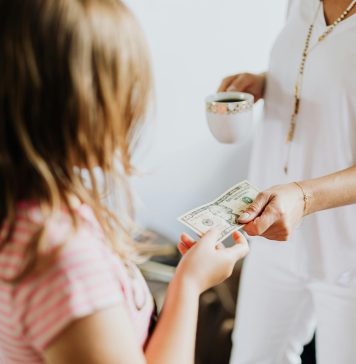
<point x="74" y="87"/>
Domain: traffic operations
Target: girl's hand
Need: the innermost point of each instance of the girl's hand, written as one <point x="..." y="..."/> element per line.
<point x="207" y="263"/>
<point x="245" y="82"/>
<point x="275" y="213"/>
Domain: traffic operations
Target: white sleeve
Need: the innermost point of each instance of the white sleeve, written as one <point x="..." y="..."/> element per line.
<point x="290" y="5"/>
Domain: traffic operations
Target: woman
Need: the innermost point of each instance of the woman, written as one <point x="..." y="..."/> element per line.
<point x="290" y="290"/>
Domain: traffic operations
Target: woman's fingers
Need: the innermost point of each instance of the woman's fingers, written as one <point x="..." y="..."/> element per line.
<point x="275" y="213"/>
<point x="263" y="222"/>
<point x="240" y="83"/>
<point x="255" y="208"/>
<point x="276" y="233"/>
<point x="226" y="82"/>
<point x="245" y="82"/>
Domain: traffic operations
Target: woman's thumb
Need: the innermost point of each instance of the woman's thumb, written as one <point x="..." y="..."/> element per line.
<point x="255" y="208"/>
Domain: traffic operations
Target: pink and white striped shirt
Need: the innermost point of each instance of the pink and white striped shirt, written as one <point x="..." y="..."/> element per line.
<point x="86" y="277"/>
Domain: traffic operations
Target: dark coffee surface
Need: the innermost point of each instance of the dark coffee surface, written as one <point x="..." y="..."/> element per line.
<point x="230" y="100"/>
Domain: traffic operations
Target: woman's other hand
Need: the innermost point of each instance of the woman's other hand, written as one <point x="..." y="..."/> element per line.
<point x="245" y="82"/>
<point x="207" y="263"/>
<point x="275" y="213"/>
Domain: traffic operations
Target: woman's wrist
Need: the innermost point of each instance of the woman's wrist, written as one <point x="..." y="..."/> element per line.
<point x="306" y="196"/>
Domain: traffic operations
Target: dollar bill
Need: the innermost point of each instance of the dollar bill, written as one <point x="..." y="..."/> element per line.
<point x="223" y="212"/>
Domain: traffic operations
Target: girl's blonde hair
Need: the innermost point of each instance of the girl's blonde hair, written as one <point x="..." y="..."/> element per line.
<point x="75" y="83"/>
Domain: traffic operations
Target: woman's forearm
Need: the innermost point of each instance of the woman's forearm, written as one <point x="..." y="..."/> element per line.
<point x="173" y="340"/>
<point x="334" y="190"/>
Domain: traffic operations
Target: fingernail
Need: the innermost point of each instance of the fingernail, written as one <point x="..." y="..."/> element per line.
<point x="184" y="244"/>
<point x="236" y="235"/>
<point x="244" y="216"/>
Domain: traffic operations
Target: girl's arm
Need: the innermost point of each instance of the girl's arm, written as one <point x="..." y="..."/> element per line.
<point x="277" y="211"/>
<point x="173" y="340"/>
<point x="105" y="337"/>
<point x="108" y="337"/>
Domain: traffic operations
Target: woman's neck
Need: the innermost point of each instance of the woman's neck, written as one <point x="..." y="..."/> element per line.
<point x="334" y="8"/>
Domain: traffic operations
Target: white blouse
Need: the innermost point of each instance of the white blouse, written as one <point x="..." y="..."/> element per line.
<point x="325" y="138"/>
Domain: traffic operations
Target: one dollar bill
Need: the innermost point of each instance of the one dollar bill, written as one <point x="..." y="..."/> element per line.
<point x="222" y="213"/>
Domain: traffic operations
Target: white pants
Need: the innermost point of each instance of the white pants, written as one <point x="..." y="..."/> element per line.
<point x="278" y="312"/>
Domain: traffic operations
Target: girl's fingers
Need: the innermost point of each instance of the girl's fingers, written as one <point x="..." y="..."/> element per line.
<point x="187" y="240"/>
<point x="239" y="250"/>
<point x="238" y="237"/>
<point x="210" y="238"/>
<point x="182" y="248"/>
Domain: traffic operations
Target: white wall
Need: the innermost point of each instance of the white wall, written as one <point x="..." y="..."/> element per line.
<point x="194" y="43"/>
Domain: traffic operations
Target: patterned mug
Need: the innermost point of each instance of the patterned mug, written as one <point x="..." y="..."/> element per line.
<point x="230" y="116"/>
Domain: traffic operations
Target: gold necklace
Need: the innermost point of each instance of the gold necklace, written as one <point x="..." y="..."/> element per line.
<point x="299" y="81"/>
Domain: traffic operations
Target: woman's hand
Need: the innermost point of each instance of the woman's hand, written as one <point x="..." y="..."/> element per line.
<point x="275" y="213"/>
<point x="245" y="82"/>
<point x="207" y="263"/>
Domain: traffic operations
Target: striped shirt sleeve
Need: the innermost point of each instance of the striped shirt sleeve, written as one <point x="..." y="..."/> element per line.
<point x="81" y="282"/>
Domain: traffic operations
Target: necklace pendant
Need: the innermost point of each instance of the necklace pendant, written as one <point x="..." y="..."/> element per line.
<point x="290" y="137"/>
<point x="291" y="130"/>
<point x="296" y="105"/>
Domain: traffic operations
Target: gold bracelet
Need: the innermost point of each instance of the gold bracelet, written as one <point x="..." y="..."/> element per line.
<point x="306" y="198"/>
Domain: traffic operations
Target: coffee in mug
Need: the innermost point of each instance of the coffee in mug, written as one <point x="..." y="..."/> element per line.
<point x="230" y="100"/>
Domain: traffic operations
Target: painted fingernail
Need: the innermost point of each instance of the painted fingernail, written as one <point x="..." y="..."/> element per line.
<point x="236" y="235"/>
<point x="244" y="216"/>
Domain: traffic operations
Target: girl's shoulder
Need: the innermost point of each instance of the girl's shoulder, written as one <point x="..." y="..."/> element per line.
<point x="85" y="276"/>
<point x="33" y="231"/>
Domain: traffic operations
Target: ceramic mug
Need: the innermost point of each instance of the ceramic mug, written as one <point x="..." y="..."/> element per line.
<point x="230" y="116"/>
